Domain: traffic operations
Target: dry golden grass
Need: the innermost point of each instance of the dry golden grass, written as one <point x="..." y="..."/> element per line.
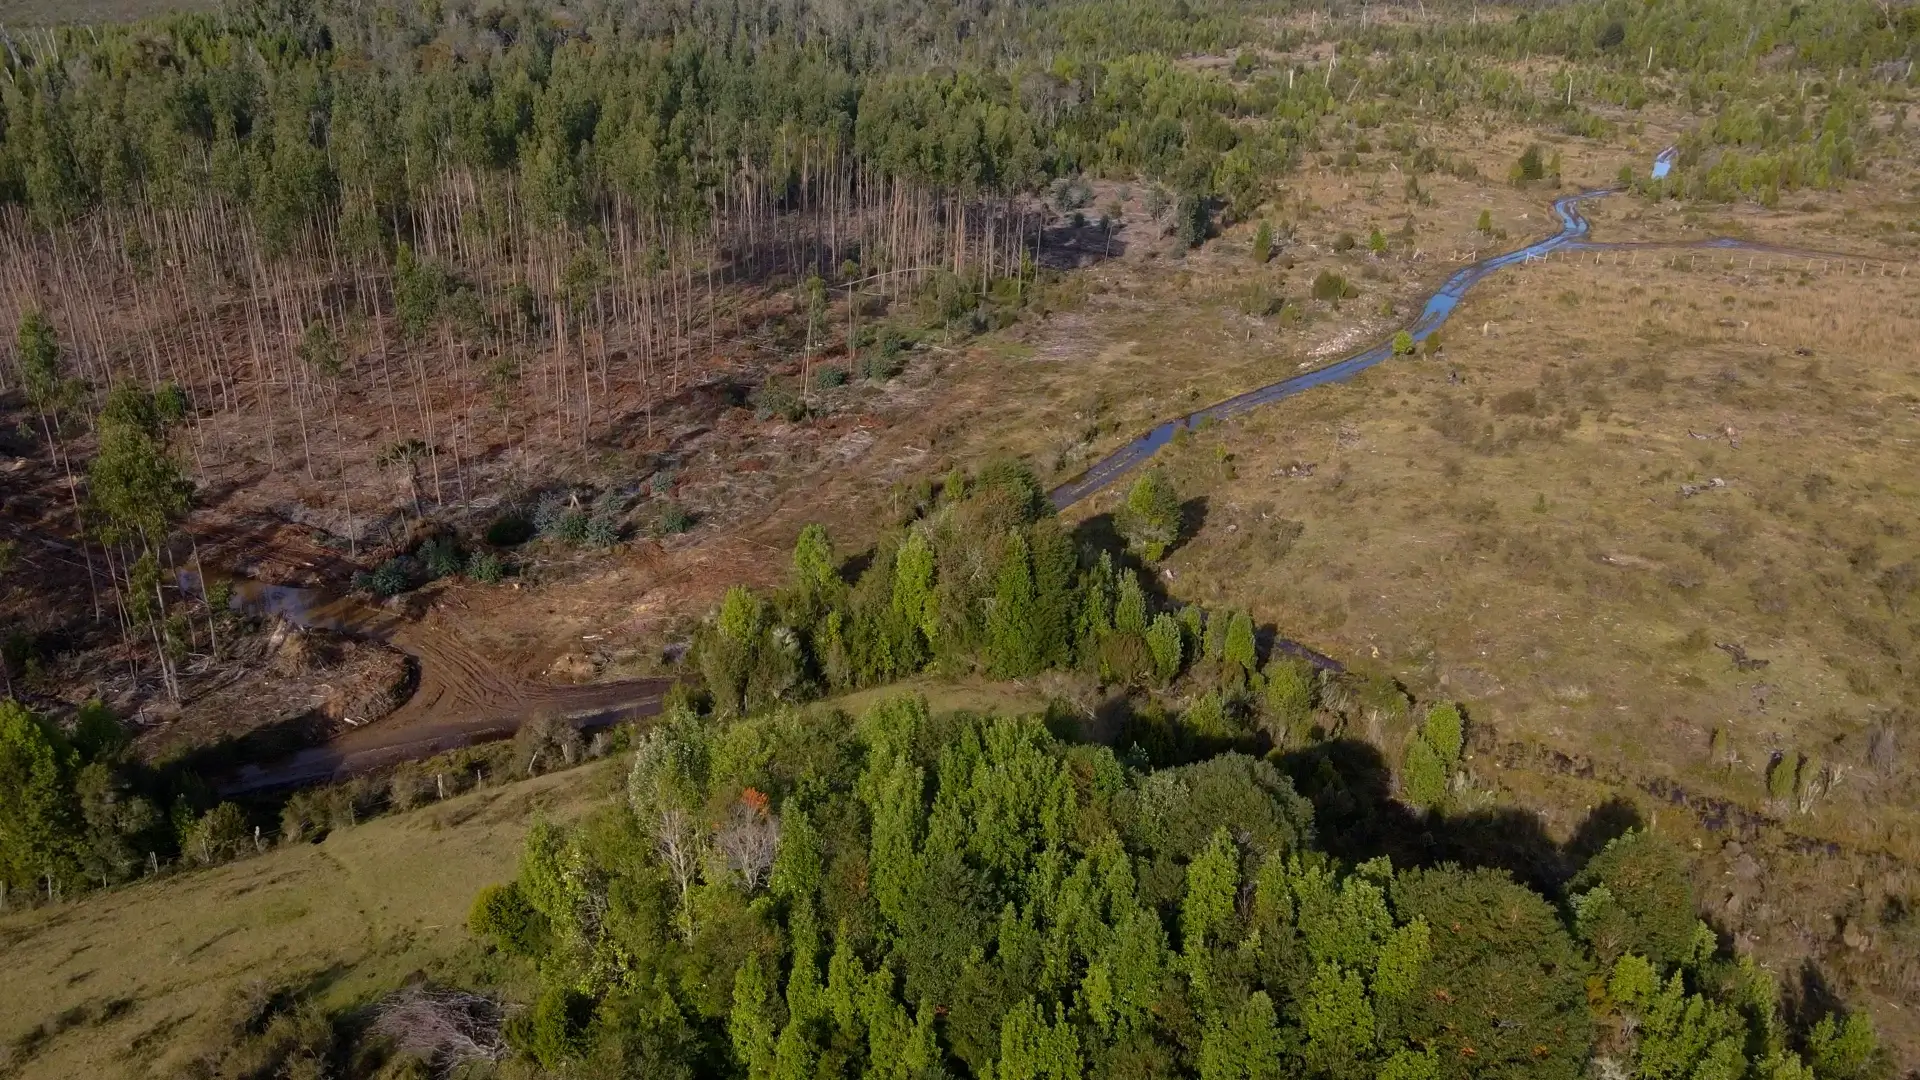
<point x="1545" y="487"/>
<point x="133" y="982"/>
<point x="1479" y="542"/>
<point x="1159" y="332"/>
<point x="1520" y="540"/>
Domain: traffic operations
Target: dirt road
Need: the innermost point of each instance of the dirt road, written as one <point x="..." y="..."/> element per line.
<point x="378" y="746"/>
<point x="463" y="697"/>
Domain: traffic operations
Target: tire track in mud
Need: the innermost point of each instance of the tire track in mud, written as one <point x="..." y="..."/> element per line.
<point x="462" y="698"/>
<point x="452" y="675"/>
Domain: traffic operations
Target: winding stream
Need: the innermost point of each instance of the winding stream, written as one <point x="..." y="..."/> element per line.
<point x="497" y="706"/>
<point x="1440" y="304"/>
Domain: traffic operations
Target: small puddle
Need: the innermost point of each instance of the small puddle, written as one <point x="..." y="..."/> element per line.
<point x="309" y="609"/>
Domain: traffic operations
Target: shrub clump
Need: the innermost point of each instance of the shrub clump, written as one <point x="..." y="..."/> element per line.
<point x="502" y="915"/>
<point x="886" y="358"/>
<point x="1150" y="520"/>
<point x="674" y="520"/>
<point x="439" y="557"/>
<point x="1332" y="288"/>
<point x="1432" y="755"/>
<point x="602" y="531"/>
<point x="1529" y="168"/>
<point x="775" y="398"/>
<point x="486" y="568"/>
<point x="390" y="578"/>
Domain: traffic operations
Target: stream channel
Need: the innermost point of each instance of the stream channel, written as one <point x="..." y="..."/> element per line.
<point x="1571" y="237"/>
<point x="594" y="706"/>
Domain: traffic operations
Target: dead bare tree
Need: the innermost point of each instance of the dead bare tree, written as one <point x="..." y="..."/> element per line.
<point x="444" y="1028"/>
<point x="748" y="839"/>
<point x="682" y="848"/>
<point x="552" y="739"/>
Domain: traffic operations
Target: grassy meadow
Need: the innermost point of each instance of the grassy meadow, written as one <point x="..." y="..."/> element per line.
<point x="144" y="980"/>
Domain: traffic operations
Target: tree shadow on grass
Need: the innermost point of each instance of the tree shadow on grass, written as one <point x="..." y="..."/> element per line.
<point x="1603" y="825"/>
<point x="1193" y="518"/>
<point x="855" y="565"/>
<point x="1067" y="246"/>
<point x="1350" y="785"/>
<point x="1809" y="997"/>
<point x="268" y="742"/>
<point x="1100" y="534"/>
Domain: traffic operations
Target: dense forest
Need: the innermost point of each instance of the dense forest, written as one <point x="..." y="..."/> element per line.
<point x="913" y="895"/>
<point x="790" y="893"/>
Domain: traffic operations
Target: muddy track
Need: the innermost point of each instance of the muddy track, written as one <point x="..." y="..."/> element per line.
<point x="453" y="677"/>
<point x="588" y="708"/>
<point x="463" y="698"/>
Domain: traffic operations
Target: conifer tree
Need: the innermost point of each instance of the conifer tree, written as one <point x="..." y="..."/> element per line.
<point x="1033" y="1049"/>
<point x="135" y="491"/>
<point x="1423" y="777"/>
<point x="1213" y="879"/>
<point x="1338" y="1021"/>
<point x="751" y="1024"/>
<point x="1130" y="607"/>
<point x="728" y="648"/>
<point x="1096" y="609"/>
<point x="815" y="572"/>
<point x="1288" y="702"/>
<point x="1218" y="622"/>
<point x="1240" y="645"/>
<point x="915" y="607"/>
<point x="1244" y="1044"/>
<point x="40" y="838"/>
<point x="1150" y="518"/>
<point x="48" y="389"/>
<point x="1164" y="640"/>
<point x="1056" y="569"/>
<point x="1013" y="648"/>
<point x="135" y="488"/>
<point x="1444" y="730"/>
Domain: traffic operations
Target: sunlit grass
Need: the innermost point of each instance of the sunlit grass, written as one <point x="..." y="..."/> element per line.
<point x="133" y="981"/>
